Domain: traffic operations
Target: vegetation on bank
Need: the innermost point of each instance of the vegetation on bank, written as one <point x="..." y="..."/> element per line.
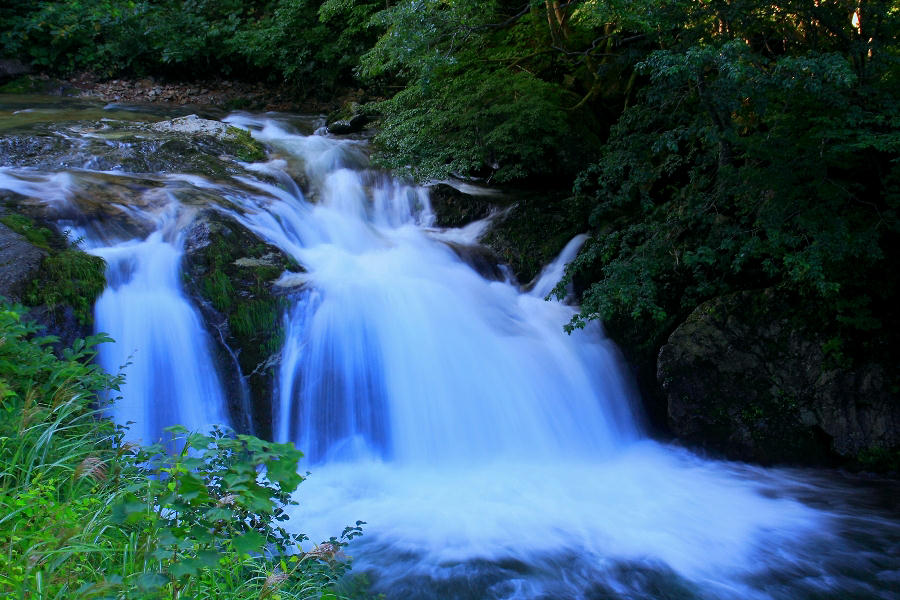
<point x="83" y="514"/>
<point x="719" y="145"/>
<point x="68" y="277"/>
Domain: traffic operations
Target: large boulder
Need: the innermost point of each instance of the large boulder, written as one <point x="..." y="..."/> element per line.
<point x="20" y="263"/>
<point x="743" y="376"/>
<point x="453" y="208"/>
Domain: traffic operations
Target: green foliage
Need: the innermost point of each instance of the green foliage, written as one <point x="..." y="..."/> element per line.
<point x="36" y="234"/>
<point x="185" y="38"/>
<point x="742" y="166"/>
<point x="311" y="45"/>
<point x="69" y="278"/>
<point x="216" y="505"/>
<point x="484" y="82"/>
<point x="83" y="515"/>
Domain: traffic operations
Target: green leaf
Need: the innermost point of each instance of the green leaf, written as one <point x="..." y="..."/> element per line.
<point x="248" y="543"/>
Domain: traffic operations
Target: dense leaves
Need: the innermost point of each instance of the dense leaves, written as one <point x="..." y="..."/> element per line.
<point x="308" y="44"/>
<point x="749" y="163"/>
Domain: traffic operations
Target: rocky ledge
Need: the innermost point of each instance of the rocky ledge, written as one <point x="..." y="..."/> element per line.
<point x="744" y="378"/>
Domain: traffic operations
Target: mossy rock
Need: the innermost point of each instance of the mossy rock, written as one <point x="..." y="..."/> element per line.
<point x="743" y="377"/>
<point x="165" y="147"/>
<point x="351" y="117"/>
<point x="531" y="233"/>
<point x="233" y="273"/>
<point x="68" y="278"/>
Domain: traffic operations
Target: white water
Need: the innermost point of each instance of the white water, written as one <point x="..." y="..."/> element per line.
<point x="454" y="416"/>
<point x="161" y="344"/>
<point x="491" y="455"/>
<point x="171" y="378"/>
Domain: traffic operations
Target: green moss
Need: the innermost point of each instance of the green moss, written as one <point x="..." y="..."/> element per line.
<point x="37" y="235"/>
<point x="880" y="459"/>
<point x="217" y="289"/>
<point x="246" y="148"/>
<point x="69" y="278"/>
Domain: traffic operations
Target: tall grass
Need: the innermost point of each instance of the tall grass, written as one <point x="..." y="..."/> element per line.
<point x="85" y="515"/>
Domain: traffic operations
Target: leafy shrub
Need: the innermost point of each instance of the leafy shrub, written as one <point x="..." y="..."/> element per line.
<point x="83" y="514"/>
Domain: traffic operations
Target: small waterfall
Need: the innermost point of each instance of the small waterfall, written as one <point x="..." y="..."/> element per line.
<point x="160" y="339"/>
<point x="400" y="350"/>
<point x="160" y="342"/>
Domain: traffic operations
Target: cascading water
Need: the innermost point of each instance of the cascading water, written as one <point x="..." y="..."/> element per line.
<point x="161" y="344"/>
<point x="492" y="455"/>
<point x="159" y="335"/>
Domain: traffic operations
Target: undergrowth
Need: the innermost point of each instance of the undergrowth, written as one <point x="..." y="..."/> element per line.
<point x="84" y="514"/>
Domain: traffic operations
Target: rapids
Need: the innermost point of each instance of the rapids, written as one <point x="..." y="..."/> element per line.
<point x="491" y="454"/>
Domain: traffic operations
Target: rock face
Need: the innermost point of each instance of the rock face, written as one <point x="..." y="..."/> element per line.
<point x="350" y="118"/>
<point x="742" y="378"/>
<point x="11" y="68"/>
<point x="20" y="262"/>
<point x="232" y="274"/>
<point x="453" y="208"/>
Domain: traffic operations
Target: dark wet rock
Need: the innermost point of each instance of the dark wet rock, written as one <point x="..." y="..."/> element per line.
<point x="742" y="377"/>
<point x="453" y="208"/>
<point x="232" y="274"/>
<point x="20" y="263"/>
<point x="481" y="259"/>
<point x="61" y="322"/>
<point x="10" y="68"/>
<point x="350" y="118"/>
<point x="533" y="231"/>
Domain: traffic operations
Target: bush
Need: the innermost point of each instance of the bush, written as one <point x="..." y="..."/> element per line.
<point x="83" y="514"/>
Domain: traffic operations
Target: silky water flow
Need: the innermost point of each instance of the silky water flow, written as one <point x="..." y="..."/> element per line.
<point x="491" y="454"/>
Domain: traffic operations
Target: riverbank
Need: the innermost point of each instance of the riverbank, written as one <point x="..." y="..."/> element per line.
<point x="227" y="94"/>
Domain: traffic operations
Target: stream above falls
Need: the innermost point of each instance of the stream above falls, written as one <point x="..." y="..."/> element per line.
<point x="490" y="454"/>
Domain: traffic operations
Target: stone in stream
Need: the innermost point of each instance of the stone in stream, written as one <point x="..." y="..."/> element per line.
<point x="232" y="274"/>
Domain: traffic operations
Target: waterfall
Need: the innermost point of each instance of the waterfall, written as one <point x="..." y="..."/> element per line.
<point x="456" y="417"/>
<point x="160" y="342"/>
<point x="491" y="454"/>
<point x="160" y="339"/>
<point x="399" y="350"/>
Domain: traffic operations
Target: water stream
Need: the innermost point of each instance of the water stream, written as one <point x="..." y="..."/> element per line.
<point x="491" y="454"/>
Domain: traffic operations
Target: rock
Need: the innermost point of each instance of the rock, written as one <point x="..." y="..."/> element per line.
<point x="532" y="232"/>
<point x="192" y="125"/>
<point x="186" y="145"/>
<point x="453" y="208"/>
<point x="10" y="68"/>
<point x="350" y="118"/>
<point x="20" y="262"/>
<point x="743" y="378"/>
<point x="233" y="275"/>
